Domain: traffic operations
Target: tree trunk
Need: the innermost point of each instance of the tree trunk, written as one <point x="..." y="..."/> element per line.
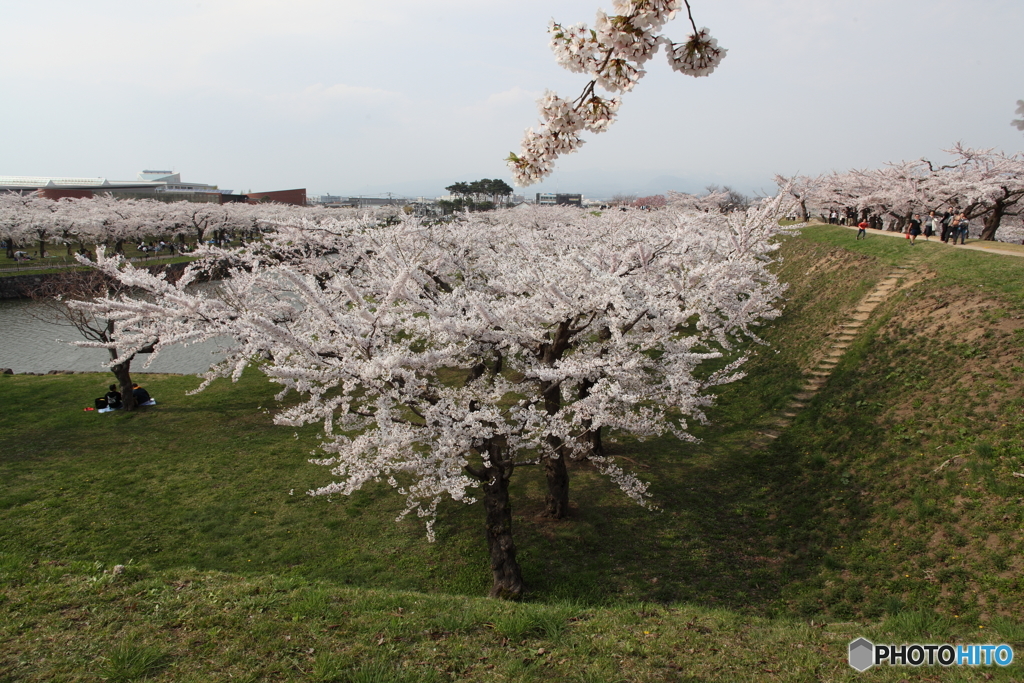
<point x="591" y="436"/>
<point x="557" y="498"/>
<point x="993" y="220"/>
<point x="122" y="371"/>
<point x="119" y="247"/>
<point x="124" y="379"/>
<point x="507" y="577"/>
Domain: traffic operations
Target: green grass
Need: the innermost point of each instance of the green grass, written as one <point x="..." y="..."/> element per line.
<point x="848" y="519"/>
<point x="993" y="274"/>
<point x="74" y="621"/>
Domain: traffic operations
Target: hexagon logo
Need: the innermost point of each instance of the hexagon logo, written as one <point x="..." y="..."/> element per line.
<point x="862" y="654"/>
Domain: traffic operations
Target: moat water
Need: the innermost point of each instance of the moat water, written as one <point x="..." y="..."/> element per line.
<point x="31" y="342"/>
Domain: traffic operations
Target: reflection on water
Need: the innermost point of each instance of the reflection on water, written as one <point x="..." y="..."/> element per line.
<point x="29" y="344"/>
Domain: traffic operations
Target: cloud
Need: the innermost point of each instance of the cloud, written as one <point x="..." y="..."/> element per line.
<point x="316" y="100"/>
<point x="513" y="98"/>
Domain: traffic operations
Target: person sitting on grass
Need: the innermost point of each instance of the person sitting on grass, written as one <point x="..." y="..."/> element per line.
<point x="142" y="397"/>
<point x="114" y="398"/>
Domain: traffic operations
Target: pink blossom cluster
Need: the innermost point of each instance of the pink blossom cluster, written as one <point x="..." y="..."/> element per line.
<point x="698" y="56"/>
<point x="613" y="54"/>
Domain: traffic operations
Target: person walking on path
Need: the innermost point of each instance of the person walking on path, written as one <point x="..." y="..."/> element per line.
<point x="962" y="227"/>
<point x="930" y="225"/>
<point x="862" y="230"/>
<point x="947" y="226"/>
<point x="915" y="228"/>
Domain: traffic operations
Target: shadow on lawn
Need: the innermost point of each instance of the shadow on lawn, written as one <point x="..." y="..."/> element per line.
<point x="736" y="525"/>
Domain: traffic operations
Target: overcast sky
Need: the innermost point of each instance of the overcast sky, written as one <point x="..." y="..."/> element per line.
<point x="407" y="96"/>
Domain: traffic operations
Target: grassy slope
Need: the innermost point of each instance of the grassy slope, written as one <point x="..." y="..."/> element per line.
<point x="801" y="530"/>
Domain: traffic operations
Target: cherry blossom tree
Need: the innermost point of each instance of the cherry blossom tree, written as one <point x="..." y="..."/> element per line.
<point x="655" y="201"/>
<point x="984" y="184"/>
<point x="613" y="54"/>
<point x="22" y="218"/>
<point x="58" y="298"/>
<point x="442" y="357"/>
<point x="987" y="184"/>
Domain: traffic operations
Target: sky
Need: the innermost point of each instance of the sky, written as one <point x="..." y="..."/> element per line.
<point x="409" y="96"/>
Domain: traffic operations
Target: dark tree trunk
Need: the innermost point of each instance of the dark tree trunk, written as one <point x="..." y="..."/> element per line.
<point x="119" y="247"/>
<point x="122" y="371"/>
<point x="10" y="247"/>
<point x="993" y="220"/>
<point x="124" y="380"/>
<point x="557" y="498"/>
<point x="591" y="436"/>
<point x="556" y="501"/>
<point x="507" y="577"/>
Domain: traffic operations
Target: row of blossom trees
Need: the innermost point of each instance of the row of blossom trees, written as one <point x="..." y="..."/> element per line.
<point x="32" y="219"/>
<point x="983" y="184"/>
<point x="82" y="224"/>
<point x="442" y="357"/>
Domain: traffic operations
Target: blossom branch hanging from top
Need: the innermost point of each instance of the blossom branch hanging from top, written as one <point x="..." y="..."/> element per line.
<point x="613" y="54"/>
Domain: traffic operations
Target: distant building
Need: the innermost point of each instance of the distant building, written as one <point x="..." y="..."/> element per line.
<point x="163" y="185"/>
<point x="296" y="197"/>
<point x="166" y="186"/>
<point x="171" y="182"/>
<point x="549" y="199"/>
<point x="54" y="187"/>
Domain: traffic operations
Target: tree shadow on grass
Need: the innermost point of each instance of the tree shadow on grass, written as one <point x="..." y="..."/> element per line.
<point x="736" y="525"/>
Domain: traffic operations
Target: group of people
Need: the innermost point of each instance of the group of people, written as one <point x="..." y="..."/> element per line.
<point x="115" y="401"/>
<point x="155" y="247"/>
<point x="949" y="225"/>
